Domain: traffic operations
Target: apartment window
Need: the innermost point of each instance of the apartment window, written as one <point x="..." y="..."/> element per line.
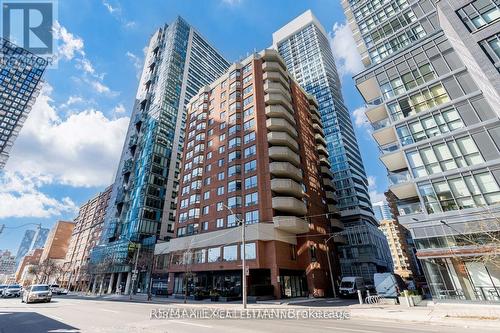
<point x="250" y="151"/>
<point x="214" y="254"/>
<point x="234" y="74"/>
<point x="252" y="217"/>
<point x="222" y="149"/>
<point x="442" y="157"/>
<point x="247" y="101"/>
<point x="206" y="195"/>
<point x="248" y="113"/>
<point x="248" y="90"/>
<point x="293" y="252"/>
<point x="208" y="167"/>
<point x="208" y="181"/>
<point x="220" y="223"/>
<point x="204" y="225"/>
<point x="419" y="102"/>
<point x="234" y="202"/>
<point x="194" y="213"/>
<point x="250" y="182"/>
<point x="247" y="68"/>
<point x="220" y="162"/>
<point x="220" y="175"/>
<point x="251" y="199"/>
<point x="230" y="253"/>
<point x="250" y="251"/>
<point x="479" y="13"/>
<point x="220" y="190"/>
<point x="222" y="126"/>
<point x="247" y="79"/>
<point x="209" y="155"/>
<point x="193" y="199"/>
<point x="200" y="255"/>
<point x="233" y="220"/>
<point x="206" y="210"/>
<point x="220" y="206"/>
<point x="223" y="84"/>
<point x="249" y="124"/>
<point x="491" y="47"/>
<point x="251" y="166"/>
<point x="234" y="129"/>
<point x="234" y="185"/>
<point x="234" y="170"/>
<point x="312" y="251"/>
<point x="249" y="137"/>
<point x="222" y="137"/>
<point x="234" y="142"/>
<point x="234" y="155"/>
<point x="466" y="191"/>
<point x="400" y="85"/>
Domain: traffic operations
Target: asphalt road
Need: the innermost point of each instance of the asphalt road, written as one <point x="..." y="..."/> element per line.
<point x="87" y="315"/>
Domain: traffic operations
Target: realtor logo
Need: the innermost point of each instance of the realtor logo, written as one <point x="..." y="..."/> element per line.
<point x="29" y="24"/>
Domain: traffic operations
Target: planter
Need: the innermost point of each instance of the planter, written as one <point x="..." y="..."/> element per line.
<point x="414" y="299"/>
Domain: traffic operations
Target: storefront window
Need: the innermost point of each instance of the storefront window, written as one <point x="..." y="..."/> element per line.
<point x="230" y="253"/>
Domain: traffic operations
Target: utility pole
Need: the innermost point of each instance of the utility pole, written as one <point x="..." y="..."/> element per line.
<point x="330" y="265"/>
<point x="134" y="272"/>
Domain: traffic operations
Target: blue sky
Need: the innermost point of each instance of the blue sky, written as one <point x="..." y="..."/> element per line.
<point x="70" y="145"/>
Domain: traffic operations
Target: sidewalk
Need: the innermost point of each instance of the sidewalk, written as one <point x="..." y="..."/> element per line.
<point x="450" y="314"/>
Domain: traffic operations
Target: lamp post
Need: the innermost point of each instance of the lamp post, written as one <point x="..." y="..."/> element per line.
<point x="330" y="265"/>
<point x="243" y="258"/>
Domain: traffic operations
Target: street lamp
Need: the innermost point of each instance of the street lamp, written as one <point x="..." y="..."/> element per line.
<point x="330" y="265"/>
<point x="243" y="257"/>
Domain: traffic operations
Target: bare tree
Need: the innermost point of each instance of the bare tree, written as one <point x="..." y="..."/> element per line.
<point x="45" y="270"/>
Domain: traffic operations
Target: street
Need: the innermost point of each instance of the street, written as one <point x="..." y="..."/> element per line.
<point x="71" y="314"/>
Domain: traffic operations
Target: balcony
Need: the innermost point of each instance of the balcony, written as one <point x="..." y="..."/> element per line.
<point x="376" y="113"/>
<point x="336" y="225"/>
<point x="290" y="205"/>
<point x="394" y="161"/>
<point x="281" y="125"/>
<point x="324" y="161"/>
<point x="312" y="100"/>
<point x="339" y="239"/>
<point x="276" y="88"/>
<point x="369" y="89"/>
<point x="278" y="111"/>
<point x="282" y="139"/>
<point x="320" y="139"/>
<point x="327" y="184"/>
<point x="315" y="118"/>
<point x="272" y="66"/>
<point x="321" y="150"/>
<point x="326" y="171"/>
<point x="280" y="99"/>
<point x="127" y="166"/>
<point x="410" y="208"/>
<point x="319" y="129"/>
<point x="292" y="224"/>
<point x="276" y="77"/>
<point x="402" y="186"/>
<point x="287" y="187"/>
<point x="120" y="196"/>
<point x="381" y="124"/>
<point x="391" y="147"/>
<point x="284" y="154"/>
<point x="330" y="196"/>
<point x="133" y="141"/>
<point x="314" y="110"/>
<point x="285" y="170"/>
<point x="385" y="136"/>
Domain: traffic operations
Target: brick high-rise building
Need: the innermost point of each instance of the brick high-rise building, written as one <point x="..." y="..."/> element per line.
<point x="31" y="258"/>
<point x="57" y="243"/>
<point x="255" y="152"/>
<point x="86" y="234"/>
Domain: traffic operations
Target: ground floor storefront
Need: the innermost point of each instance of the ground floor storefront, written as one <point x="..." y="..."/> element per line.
<point x="462" y="278"/>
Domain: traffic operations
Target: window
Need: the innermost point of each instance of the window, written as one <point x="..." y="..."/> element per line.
<point x="220" y="223"/>
<point x="234" y="142"/>
<point x="249" y="137"/>
<point x="214" y="254"/>
<point x="479" y="13"/>
<point x="250" y="251"/>
<point x="249" y="124"/>
<point x="206" y="210"/>
<point x="233" y="220"/>
<point x="491" y="46"/>
<point x="234" y="202"/>
<point x="312" y="251"/>
<point x="234" y="170"/>
<point x="222" y="137"/>
<point x="247" y="79"/>
<point x="220" y="190"/>
<point x="230" y="253"/>
<point x="250" y="151"/>
<point x="234" y="129"/>
<point x="252" y="217"/>
<point x="247" y="101"/>
<point x="248" y="90"/>
<point x="419" y="102"/>
<point x="200" y="255"/>
<point x="251" y="199"/>
<point x="220" y="175"/>
<point x="251" y="166"/>
<point x="250" y="182"/>
<point x="204" y="225"/>
<point x="222" y="149"/>
<point x="207" y="181"/>
<point x="194" y="213"/>
<point x="234" y="185"/>
<point x="234" y="155"/>
<point x="248" y="113"/>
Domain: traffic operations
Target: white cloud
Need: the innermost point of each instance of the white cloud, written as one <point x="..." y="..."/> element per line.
<point x="119" y="109"/>
<point x="344" y="50"/>
<point x="20" y="197"/>
<point x="359" y="116"/>
<point x="375" y="196"/>
<point x="85" y="65"/>
<point x="81" y="150"/>
<point x="71" y="101"/>
<point x="70" y="44"/>
<point x="137" y="62"/>
<point x="116" y="11"/>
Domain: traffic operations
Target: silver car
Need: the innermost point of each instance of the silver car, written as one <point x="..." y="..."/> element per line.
<point x="14" y="290"/>
<point x="37" y="293"/>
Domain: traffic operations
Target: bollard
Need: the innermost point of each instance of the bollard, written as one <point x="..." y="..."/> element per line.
<point x="360" y="297"/>
<point x="367" y="293"/>
<point x="407" y="298"/>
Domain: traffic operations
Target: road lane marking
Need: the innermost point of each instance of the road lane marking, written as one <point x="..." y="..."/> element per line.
<point x="113" y="311"/>
<point x="192" y="324"/>
<point x="54" y="317"/>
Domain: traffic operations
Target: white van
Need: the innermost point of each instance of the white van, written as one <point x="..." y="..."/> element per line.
<point x="388" y="284"/>
<point x="350" y="285"/>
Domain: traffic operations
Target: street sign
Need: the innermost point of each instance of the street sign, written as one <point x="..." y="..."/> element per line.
<point x="134" y="276"/>
<point x="247" y="271"/>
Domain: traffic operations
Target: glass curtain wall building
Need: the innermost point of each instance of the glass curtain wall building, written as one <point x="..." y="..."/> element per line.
<point x="20" y="74"/>
<point x="431" y="85"/>
<point x="304" y="45"/>
<point x="179" y="61"/>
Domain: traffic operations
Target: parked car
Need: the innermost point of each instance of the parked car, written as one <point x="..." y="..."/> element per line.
<point x="388" y="284"/>
<point x="37" y="293"/>
<point x="2" y="287"/>
<point x="13" y="290"/>
<point x="58" y="290"/>
<point x="350" y="285"/>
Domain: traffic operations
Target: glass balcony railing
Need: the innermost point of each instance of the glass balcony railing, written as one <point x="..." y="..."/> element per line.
<point x="399" y="177"/>
<point x="389" y="148"/>
<point x="374" y="102"/>
<point x="410" y="208"/>
<point x="381" y="124"/>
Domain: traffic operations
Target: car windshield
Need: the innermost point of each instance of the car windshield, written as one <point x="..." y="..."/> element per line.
<point x="15" y="286"/>
<point x="346" y="284"/>
<point x="40" y="288"/>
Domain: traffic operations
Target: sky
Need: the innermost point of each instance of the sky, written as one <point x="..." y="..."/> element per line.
<point x="70" y="145"/>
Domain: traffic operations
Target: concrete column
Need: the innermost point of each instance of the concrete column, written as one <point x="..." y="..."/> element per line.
<point x="94" y="284"/>
<point x="127" y="283"/>
<point x="101" y="287"/>
<point x="111" y="281"/>
<point x="118" y="282"/>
